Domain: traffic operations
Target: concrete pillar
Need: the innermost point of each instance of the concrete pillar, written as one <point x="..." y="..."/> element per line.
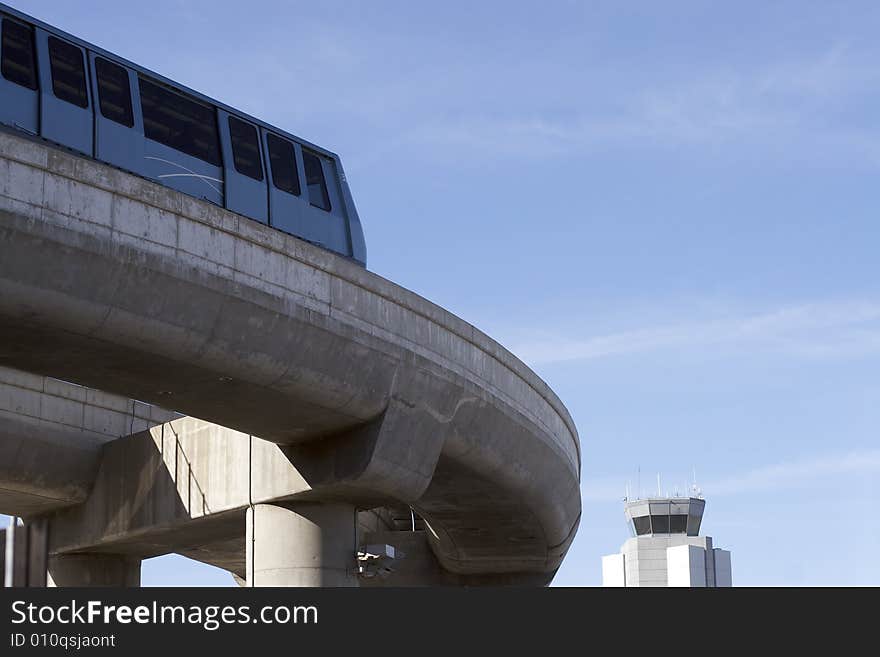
<point x="306" y="544"/>
<point x="94" y="570"/>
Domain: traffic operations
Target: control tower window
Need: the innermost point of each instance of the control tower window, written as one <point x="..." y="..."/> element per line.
<point x="642" y="525"/>
<point x="660" y="524"/>
<point x="282" y="158"/>
<point x="68" y="72"/>
<point x="315" y="180"/>
<point x="677" y="524"/>
<point x="114" y="92"/>
<point x="179" y="122"/>
<point x="245" y="148"/>
<point x="18" y="62"/>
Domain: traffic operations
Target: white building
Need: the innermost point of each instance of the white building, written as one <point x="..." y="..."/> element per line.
<point x="666" y="548"/>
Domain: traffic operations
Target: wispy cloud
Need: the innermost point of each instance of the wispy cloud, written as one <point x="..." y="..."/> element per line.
<point x="831" y="329"/>
<point x="793" y="102"/>
<point x="766" y="478"/>
<point x="715" y="110"/>
<point x="796" y="473"/>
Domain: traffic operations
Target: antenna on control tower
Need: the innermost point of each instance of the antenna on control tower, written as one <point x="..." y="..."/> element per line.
<point x="694" y="488"/>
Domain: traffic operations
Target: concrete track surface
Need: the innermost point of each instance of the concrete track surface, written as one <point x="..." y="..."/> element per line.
<point x="364" y="393"/>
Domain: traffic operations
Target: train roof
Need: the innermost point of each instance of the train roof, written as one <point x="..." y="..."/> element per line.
<point x="161" y="78"/>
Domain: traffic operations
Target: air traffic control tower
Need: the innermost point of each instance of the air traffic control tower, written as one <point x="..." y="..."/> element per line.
<point x="666" y="548"/>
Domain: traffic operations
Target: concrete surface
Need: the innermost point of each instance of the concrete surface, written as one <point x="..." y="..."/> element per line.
<point x="377" y="395"/>
<point x="645" y="557"/>
<point x="613" y="570"/>
<point x="89" y="570"/>
<point x="51" y="434"/>
<point x="723" y="575"/>
<point x="668" y="560"/>
<point x="187" y="485"/>
<point x="686" y="566"/>
<point x="310" y="544"/>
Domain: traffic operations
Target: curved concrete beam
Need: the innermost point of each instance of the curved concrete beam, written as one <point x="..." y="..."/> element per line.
<point x="117" y="283"/>
<point x="51" y="435"/>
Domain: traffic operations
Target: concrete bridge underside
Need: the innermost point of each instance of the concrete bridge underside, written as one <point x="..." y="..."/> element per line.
<point x="321" y="386"/>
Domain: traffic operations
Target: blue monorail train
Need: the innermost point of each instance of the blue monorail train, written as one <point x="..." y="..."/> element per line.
<point x="67" y="91"/>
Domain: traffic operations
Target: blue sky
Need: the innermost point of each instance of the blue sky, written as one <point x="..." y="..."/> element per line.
<point x="668" y="210"/>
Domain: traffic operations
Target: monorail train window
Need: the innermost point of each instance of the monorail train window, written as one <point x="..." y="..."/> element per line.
<point x="179" y="122"/>
<point x="18" y="63"/>
<point x="114" y="92"/>
<point x="245" y="148"/>
<point x="315" y="180"/>
<point x="68" y="72"/>
<point x="283" y="160"/>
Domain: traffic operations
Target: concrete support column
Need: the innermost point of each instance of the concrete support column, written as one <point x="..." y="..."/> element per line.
<point x="306" y="544"/>
<point x="94" y="570"/>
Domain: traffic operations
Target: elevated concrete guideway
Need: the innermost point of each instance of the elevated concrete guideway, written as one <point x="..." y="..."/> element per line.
<point x="51" y="437"/>
<point x="374" y="395"/>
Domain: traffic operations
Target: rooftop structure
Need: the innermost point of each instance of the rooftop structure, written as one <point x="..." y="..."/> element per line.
<point x="665" y="548"/>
